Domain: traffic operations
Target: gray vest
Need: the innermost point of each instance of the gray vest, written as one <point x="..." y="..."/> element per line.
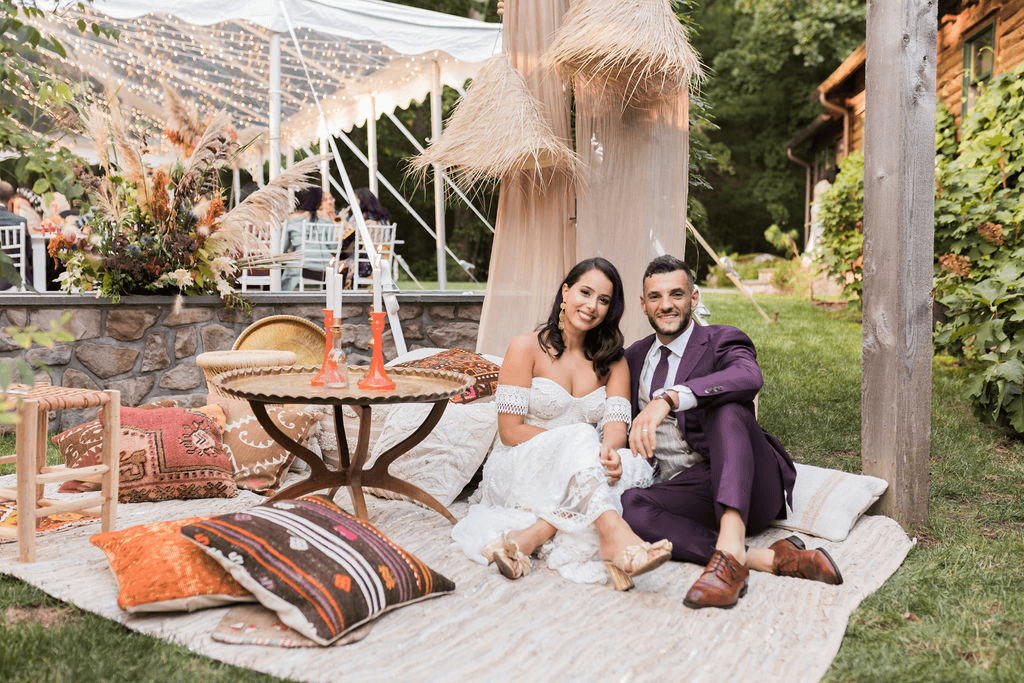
<point x="672" y="454"/>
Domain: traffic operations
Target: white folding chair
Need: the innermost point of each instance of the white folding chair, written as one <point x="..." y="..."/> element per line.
<point x="318" y="242"/>
<point x="383" y="236"/>
<point x="12" y="243"/>
<point x="257" y="278"/>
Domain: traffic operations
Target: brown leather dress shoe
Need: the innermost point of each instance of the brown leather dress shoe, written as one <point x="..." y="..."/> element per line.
<point x="793" y="559"/>
<point x="722" y="584"/>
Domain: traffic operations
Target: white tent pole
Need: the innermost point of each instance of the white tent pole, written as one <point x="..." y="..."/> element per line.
<point x="325" y="164"/>
<point x="451" y="183"/>
<point x="371" y="145"/>
<point x="435" y="134"/>
<point x="275" y="105"/>
<point x="236" y="187"/>
<point x="275" y="146"/>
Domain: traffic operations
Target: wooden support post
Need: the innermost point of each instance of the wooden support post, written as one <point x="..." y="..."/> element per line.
<point x="899" y="197"/>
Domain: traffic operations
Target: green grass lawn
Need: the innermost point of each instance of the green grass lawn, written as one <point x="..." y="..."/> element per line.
<point x="953" y="612"/>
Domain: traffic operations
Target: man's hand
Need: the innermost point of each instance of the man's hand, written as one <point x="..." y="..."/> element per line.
<point x="611" y="462"/>
<point x="642" y="439"/>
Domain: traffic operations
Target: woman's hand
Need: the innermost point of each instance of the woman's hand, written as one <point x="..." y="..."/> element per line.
<point x="611" y="462"/>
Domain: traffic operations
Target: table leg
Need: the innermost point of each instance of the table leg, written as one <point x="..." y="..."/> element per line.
<point x="319" y="478"/>
<point x="356" y="473"/>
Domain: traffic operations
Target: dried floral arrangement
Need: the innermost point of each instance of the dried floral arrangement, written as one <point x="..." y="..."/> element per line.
<point x="166" y="230"/>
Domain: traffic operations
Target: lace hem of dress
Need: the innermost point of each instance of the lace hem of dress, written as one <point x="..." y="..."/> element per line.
<point x="511" y="399"/>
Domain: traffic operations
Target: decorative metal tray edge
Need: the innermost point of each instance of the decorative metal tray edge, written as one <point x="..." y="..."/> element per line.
<point x="329" y="396"/>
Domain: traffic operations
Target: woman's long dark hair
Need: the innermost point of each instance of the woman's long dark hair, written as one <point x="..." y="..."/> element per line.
<point x="601" y="345"/>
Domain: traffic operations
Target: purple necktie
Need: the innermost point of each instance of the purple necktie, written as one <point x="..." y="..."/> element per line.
<point x="661" y="371"/>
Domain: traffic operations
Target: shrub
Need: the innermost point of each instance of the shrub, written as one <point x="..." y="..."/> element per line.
<point x="979" y="245"/>
<point x="841" y="251"/>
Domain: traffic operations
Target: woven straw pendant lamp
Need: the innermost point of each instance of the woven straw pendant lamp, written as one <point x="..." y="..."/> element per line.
<point x="635" y="47"/>
<point x="496" y="130"/>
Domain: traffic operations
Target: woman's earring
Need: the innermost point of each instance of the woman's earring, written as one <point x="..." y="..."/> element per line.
<point x="561" y="316"/>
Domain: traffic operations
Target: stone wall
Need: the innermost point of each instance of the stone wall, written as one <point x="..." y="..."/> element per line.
<point x="146" y="346"/>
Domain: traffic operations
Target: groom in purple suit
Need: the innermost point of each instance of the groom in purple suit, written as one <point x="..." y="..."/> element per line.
<point x="720" y="476"/>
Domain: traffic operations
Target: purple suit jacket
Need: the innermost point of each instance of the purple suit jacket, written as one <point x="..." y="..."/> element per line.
<point x="719" y="366"/>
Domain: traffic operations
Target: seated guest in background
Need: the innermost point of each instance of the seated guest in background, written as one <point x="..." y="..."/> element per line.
<point x="374" y="214"/>
<point x="310" y="203"/>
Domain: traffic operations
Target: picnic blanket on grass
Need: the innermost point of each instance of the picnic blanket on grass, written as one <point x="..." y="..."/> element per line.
<point x="540" y="628"/>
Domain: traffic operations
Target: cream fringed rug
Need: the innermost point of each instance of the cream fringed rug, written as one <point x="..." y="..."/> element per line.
<point x="539" y="628"/>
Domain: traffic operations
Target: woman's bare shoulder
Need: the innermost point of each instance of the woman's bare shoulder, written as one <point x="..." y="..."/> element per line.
<point x="517" y="366"/>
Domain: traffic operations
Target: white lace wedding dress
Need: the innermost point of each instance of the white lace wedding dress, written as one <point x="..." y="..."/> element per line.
<point x="556" y="476"/>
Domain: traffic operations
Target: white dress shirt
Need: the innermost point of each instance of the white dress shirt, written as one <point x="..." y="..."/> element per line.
<point x="677" y="346"/>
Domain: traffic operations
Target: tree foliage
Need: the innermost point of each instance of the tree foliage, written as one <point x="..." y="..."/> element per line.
<point x="765" y="59"/>
<point x="34" y="102"/>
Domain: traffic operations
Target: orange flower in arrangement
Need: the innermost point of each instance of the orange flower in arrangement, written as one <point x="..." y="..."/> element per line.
<point x="160" y="201"/>
<point x="213" y="212"/>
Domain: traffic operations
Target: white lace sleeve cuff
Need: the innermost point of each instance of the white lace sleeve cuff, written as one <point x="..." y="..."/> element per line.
<point x="617" y="409"/>
<point x="512" y="399"/>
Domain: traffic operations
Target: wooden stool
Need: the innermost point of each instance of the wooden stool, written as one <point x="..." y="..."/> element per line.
<point x="30" y="460"/>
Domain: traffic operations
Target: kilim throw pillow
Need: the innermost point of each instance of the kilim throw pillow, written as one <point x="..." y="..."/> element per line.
<point x="158" y="570"/>
<point x="322" y="570"/>
<point x="468" y="363"/>
<point x="166" y="453"/>
<point x="260" y="463"/>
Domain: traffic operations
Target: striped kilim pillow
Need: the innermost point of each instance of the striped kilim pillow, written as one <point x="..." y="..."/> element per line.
<point x="322" y="571"/>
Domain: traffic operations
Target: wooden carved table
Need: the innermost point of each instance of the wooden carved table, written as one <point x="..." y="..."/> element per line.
<point x="275" y="385"/>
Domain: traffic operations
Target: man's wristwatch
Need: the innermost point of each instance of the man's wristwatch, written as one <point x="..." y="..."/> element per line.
<point x="663" y="394"/>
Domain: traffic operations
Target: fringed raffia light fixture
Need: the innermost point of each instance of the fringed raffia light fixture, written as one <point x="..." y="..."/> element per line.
<point x="496" y="130"/>
<point x="637" y="47"/>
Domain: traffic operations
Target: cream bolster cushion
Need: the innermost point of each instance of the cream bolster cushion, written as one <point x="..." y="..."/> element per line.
<point x="445" y="461"/>
<point x="827" y="503"/>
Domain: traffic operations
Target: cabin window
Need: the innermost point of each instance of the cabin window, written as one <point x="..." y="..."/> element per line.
<point x="979" y="64"/>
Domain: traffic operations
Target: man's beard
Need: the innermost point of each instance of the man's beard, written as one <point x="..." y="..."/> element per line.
<point x="684" y="320"/>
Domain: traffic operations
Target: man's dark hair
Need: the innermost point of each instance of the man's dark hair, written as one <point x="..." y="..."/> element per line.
<point x="666" y="263"/>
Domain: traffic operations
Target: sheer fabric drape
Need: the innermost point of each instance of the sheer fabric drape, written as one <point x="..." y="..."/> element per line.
<point x="534" y="241"/>
<point x="632" y="203"/>
<point x="629" y="207"/>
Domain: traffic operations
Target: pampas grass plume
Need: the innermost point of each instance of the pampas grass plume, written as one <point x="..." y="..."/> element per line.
<point x="498" y="128"/>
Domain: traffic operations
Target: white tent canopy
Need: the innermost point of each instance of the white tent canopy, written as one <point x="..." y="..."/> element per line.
<point x="363" y="59"/>
<point x="355" y="50"/>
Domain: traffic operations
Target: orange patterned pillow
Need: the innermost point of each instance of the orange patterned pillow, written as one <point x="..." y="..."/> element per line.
<point x="483" y="371"/>
<point x="159" y="570"/>
<point x="260" y="463"/>
<point x="166" y="453"/>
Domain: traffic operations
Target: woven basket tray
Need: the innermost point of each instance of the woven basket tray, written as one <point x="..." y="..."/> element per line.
<point x="215" y="362"/>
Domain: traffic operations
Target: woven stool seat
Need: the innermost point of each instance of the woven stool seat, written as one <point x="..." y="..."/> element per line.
<point x="58" y="398"/>
<point x="30" y="459"/>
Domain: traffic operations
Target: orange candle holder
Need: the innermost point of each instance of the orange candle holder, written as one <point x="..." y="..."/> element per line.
<point x="328" y="362"/>
<point x="376" y="377"/>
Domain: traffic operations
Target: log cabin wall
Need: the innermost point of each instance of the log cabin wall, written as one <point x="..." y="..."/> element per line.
<point x="962" y="20"/>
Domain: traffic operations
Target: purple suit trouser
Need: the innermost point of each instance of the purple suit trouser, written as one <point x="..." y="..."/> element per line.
<point x="740" y="471"/>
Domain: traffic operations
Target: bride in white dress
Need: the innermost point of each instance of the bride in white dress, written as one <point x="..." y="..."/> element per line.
<point x="552" y="483"/>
